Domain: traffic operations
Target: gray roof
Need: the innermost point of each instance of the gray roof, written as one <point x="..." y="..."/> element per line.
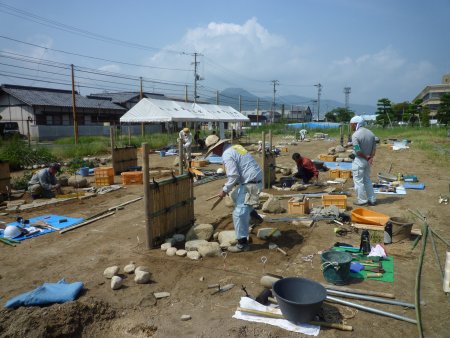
<point x="37" y="96"/>
<point x="123" y="97"/>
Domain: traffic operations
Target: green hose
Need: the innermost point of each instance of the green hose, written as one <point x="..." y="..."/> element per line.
<point x="418" y="276"/>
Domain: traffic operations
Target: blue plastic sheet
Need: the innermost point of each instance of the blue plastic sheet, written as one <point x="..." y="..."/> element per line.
<point x="46" y="294"/>
<point x="339" y="165"/>
<point x="314" y="125"/>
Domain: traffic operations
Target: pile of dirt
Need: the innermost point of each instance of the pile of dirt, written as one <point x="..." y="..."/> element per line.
<point x="70" y="319"/>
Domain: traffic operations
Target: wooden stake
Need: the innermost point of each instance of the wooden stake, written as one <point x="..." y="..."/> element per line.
<point x="147" y="201"/>
<point x="92" y="220"/>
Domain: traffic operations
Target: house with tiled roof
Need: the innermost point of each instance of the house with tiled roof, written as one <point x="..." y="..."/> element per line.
<point x="49" y="112"/>
<point x="126" y="99"/>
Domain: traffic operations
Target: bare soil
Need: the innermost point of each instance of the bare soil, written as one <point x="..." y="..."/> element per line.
<point x="132" y="311"/>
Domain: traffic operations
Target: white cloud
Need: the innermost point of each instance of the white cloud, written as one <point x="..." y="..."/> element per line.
<point x="249" y="56"/>
<point x="110" y="68"/>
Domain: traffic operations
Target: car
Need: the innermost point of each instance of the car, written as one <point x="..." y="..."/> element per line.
<point x="9" y="129"/>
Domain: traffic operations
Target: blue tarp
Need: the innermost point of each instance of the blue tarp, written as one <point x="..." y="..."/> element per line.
<point x="314" y="125"/>
<point x="339" y="165"/>
<point x="215" y="159"/>
<point x="46" y="294"/>
<point x="53" y="220"/>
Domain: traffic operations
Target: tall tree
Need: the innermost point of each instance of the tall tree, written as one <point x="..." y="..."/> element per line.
<point x="384" y="112"/>
<point x="399" y="111"/>
<point x="339" y="115"/>
<point x="443" y="112"/>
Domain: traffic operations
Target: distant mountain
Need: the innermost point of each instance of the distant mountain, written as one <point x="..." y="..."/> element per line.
<point x="230" y="97"/>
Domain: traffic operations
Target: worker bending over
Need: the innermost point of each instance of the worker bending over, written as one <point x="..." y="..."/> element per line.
<point x="242" y="170"/>
<point x="306" y="170"/>
<point x="43" y="184"/>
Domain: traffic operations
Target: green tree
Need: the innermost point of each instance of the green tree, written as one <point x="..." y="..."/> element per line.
<point x="399" y="111"/>
<point x="339" y="115"/>
<point x="443" y="112"/>
<point x="384" y="112"/>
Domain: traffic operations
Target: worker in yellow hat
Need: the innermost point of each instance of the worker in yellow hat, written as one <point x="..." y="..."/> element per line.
<point x="186" y="138"/>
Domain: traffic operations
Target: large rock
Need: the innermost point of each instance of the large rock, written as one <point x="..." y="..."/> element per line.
<point x="273" y="206"/>
<point x="166" y="246"/>
<point x="331" y="151"/>
<point x="298" y="187"/>
<point x="116" y="282"/>
<point x="227" y="238"/>
<point x="264" y="195"/>
<point x="142" y="268"/>
<point x="210" y="249"/>
<point x="200" y="231"/>
<point x="142" y="277"/>
<point x="181" y="252"/>
<point x="194" y="255"/>
<point x="77" y="182"/>
<point x="130" y="267"/>
<point x="111" y="271"/>
<point x="340" y="149"/>
<point x="171" y="251"/>
<point x="194" y="244"/>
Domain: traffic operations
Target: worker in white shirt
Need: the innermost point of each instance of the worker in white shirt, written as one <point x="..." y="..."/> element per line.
<point x="186" y="137"/>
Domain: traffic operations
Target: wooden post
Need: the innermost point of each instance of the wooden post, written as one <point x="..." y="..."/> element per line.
<point x="263" y="162"/>
<point x="269" y="181"/>
<point x="129" y="135"/>
<point x="181" y="156"/>
<point x="270" y="140"/>
<point x="113" y="142"/>
<point x="28" y="132"/>
<point x="147" y="204"/>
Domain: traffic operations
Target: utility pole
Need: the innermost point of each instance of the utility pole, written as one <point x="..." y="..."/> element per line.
<point x="319" y="92"/>
<point x="141" y="96"/>
<point x="275" y="83"/>
<point x="196" y="76"/>
<point x="185" y="93"/>
<point x="240" y="103"/>
<point x="257" y="112"/>
<point x="217" y="97"/>
<point x="74" y="108"/>
<point x="347" y="91"/>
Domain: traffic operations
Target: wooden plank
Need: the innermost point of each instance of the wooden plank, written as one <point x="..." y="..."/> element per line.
<point x="368" y="226"/>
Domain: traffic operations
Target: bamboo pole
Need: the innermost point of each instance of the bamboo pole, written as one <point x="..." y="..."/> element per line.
<point x="147" y="200"/>
<point x="181" y="156"/>
<point x="92" y="220"/>
<point x="263" y="162"/>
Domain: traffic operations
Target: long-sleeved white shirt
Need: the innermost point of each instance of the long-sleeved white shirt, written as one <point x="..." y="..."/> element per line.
<point x="187" y="139"/>
<point x="240" y="166"/>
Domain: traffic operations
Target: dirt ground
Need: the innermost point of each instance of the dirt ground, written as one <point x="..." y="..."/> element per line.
<point x="132" y="311"/>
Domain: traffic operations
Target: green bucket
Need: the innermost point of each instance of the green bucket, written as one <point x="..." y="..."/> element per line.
<point x="336" y="266"/>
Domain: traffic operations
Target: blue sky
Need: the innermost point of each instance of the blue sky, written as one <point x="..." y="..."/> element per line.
<point x="380" y="48"/>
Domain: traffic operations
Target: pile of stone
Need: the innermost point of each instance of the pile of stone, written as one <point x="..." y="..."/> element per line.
<point x="141" y="274"/>
<point x="341" y="153"/>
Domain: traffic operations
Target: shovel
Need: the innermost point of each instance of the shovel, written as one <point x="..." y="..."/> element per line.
<point x="273" y="246"/>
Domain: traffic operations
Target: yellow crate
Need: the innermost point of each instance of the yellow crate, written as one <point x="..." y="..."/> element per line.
<point x="199" y="163"/>
<point x="345" y="174"/>
<point x="295" y="206"/>
<point x="334" y="173"/>
<point x="327" y="158"/>
<point x="338" y="200"/>
<point x="132" y="177"/>
<point x="104" y="176"/>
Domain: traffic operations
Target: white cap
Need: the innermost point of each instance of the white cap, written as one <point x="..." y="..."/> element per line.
<point x="356" y="119"/>
<point x="12" y="231"/>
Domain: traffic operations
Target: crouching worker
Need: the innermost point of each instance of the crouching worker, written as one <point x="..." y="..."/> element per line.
<point x="306" y="170"/>
<point x="43" y="184"/>
<point x="242" y="170"/>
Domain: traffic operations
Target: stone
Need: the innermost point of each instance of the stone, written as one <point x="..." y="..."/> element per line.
<point x="166" y="246"/>
<point x="142" y="268"/>
<point x="286" y="171"/>
<point x="216" y="236"/>
<point x="277" y="170"/>
<point x="194" y="255"/>
<point x="273" y="205"/>
<point x="171" y="251"/>
<point x="160" y="295"/>
<point x="63" y="180"/>
<point x="331" y="151"/>
<point x="339" y="159"/>
<point x="142" y="277"/>
<point x="305" y="223"/>
<point x="227" y="238"/>
<point x="209" y="249"/>
<point x="181" y="253"/>
<point x="340" y="149"/>
<point x="77" y="182"/>
<point x="116" y="282"/>
<point x="178" y="238"/>
<point x="193" y="245"/>
<point x="298" y="187"/>
<point x="264" y="195"/>
<point x="147" y="301"/>
<point x="347" y="159"/>
<point x="185" y="317"/>
<point x="129" y="268"/>
<point x="200" y="231"/>
<point x="170" y="240"/>
<point x="264" y="232"/>
<point x="111" y="271"/>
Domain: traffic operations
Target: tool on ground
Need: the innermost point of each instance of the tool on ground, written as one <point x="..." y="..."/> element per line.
<point x="263" y="297"/>
<point x="224" y="288"/>
<point x="280" y="316"/>
<point x="364" y="246"/>
<point x="62" y="220"/>
<point x="212" y="197"/>
<point x="9" y="241"/>
<point x="243" y="288"/>
<point x="271" y="233"/>
<point x="217" y="202"/>
<point x="273" y="246"/>
<point x="44" y="225"/>
<point x="224" y="255"/>
<point x="374" y="275"/>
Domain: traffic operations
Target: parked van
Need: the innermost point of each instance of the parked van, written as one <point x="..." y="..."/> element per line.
<point x="9" y="129"/>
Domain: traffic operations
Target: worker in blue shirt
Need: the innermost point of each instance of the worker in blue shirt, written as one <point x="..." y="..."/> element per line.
<point x="242" y="170"/>
<point x="43" y="184"/>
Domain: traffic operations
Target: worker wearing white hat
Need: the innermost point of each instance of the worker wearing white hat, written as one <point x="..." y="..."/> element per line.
<point x="186" y="138"/>
<point x="364" y="148"/>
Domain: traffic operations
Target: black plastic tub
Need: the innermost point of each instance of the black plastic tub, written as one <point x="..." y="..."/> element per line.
<point x="300" y="299"/>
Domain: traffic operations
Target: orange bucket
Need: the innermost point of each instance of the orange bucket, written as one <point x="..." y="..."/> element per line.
<point x="366" y="216"/>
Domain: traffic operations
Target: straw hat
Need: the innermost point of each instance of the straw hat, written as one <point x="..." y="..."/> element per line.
<point x="186" y="130"/>
<point x="213" y="141"/>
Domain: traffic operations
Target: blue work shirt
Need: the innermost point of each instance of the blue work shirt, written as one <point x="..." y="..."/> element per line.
<point x="240" y="166"/>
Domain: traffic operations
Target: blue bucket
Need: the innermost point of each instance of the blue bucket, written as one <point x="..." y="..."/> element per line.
<point x="84" y="171"/>
<point x="162" y="153"/>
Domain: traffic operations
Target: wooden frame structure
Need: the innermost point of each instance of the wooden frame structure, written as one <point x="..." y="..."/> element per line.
<point x="122" y="158"/>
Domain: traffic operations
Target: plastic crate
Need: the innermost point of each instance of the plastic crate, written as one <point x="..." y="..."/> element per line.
<point x="334" y="173"/>
<point x="104" y="176"/>
<point x="345" y="174"/>
<point x="327" y="158"/>
<point x="199" y="163"/>
<point x="338" y="200"/>
<point x="132" y="177"/>
<point x="295" y="206"/>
